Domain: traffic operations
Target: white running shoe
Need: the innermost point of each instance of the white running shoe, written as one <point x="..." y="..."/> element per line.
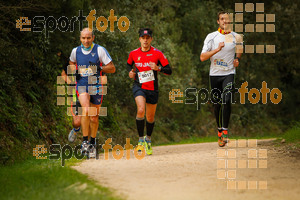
<point x="72" y="136"/>
<point x="92" y="151"/>
<point x="85" y="147"/>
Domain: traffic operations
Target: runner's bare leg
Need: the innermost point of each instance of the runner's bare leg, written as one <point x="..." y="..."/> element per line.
<point x="150" y="112"/>
<point x="94" y="121"/>
<point x="140" y="104"/>
<point x="84" y="99"/>
<point x="76" y="122"/>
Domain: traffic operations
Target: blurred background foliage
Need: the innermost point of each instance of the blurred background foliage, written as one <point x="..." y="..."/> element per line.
<point x="30" y="66"/>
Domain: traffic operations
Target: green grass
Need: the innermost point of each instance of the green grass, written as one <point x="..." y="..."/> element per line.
<point x="293" y="134"/>
<point x="47" y="179"/>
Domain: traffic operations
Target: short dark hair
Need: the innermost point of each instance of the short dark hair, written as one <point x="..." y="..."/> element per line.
<point x="145" y="31"/>
<point x="222" y="12"/>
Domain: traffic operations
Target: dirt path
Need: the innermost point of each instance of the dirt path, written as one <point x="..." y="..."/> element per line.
<point x="190" y="172"/>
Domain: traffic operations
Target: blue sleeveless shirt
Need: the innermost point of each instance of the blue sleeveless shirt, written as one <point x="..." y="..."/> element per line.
<point x="84" y="63"/>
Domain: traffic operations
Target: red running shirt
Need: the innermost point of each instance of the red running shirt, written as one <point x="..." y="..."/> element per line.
<point x="141" y="60"/>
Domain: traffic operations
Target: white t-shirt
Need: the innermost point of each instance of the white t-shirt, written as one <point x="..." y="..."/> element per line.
<point x="103" y="55"/>
<point x="221" y="62"/>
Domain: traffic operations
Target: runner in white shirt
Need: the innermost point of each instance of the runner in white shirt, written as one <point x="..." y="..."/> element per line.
<point x="224" y="48"/>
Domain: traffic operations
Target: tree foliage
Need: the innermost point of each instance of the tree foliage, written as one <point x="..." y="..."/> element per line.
<point x="29" y="67"/>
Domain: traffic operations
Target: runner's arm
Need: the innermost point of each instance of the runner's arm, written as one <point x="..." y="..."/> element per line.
<point x="164" y="63"/>
<point x="166" y="69"/>
<point x="130" y="63"/>
<point x="131" y="70"/>
<point x="129" y="67"/>
<point x="238" y="55"/>
<point x="238" y="49"/>
<point x="72" y="66"/>
<point x="105" y="58"/>
<point x="64" y="74"/>
<point x="65" y="70"/>
<point x="206" y="55"/>
<point x="65" y="77"/>
<point x="109" y="68"/>
<point x="236" y="61"/>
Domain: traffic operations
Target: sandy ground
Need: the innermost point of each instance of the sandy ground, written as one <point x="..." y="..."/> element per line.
<point x="190" y="172"/>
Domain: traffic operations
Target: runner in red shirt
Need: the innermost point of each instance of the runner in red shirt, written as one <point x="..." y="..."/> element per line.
<point x="143" y="64"/>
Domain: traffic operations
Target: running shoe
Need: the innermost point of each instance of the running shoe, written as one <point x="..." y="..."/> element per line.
<point x="221" y="140"/>
<point x="72" y="136"/>
<point x="92" y="151"/>
<point x="148" y="146"/>
<point x="225" y="136"/>
<point x="141" y="145"/>
<point x="85" y="147"/>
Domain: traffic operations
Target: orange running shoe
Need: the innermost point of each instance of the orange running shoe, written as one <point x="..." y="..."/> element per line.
<point x="220" y="140"/>
<point x="225" y="136"/>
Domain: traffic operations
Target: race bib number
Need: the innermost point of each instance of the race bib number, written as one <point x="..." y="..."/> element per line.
<point x="146" y="76"/>
<point x="221" y="64"/>
<point x="86" y="72"/>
